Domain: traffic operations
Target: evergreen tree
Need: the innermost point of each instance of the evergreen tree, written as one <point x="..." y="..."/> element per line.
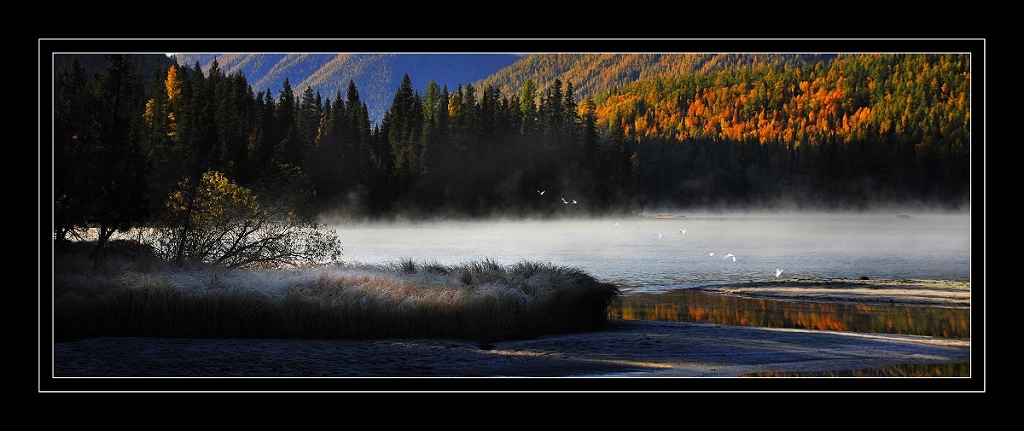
<point x="326" y="159"/>
<point x="286" y="137"/>
<point x="528" y="107"/>
<point x="72" y="139"/>
<point x="570" y="136"/>
<point x="116" y="196"/>
<point x="198" y="129"/>
<point x="238" y="122"/>
<point x="435" y="124"/>
<point x="588" y="136"/>
<point x="402" y="127"/>
<point x="550" y="113"/>
<point x="261" y="147"/>
<point x="307" y="122"/>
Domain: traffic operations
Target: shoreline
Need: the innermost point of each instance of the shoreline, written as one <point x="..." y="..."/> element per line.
<point x="926" y="293"/>
<point x="626" y="349"/>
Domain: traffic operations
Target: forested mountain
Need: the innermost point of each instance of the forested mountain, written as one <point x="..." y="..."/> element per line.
<point x="855" y="129"/>
<point x="851" y="130"/>
<point x="376" y="75"/>
<point x="595" y="75"/>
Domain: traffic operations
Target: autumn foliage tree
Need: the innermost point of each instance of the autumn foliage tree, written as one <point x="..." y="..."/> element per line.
<point x="217" y="221"/>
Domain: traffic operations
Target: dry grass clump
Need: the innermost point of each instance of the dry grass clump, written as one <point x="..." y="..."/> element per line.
<point x="481" y="301"/>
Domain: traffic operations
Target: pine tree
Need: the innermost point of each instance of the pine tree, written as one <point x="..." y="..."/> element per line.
<point x="307" y="122"/>
<point x="71" y="141"/>
<point x="588" y="135"/>
<point x="435" y="123"/>
<point x="404" y="124"/>
<point x="286" y="139"/>
<point x="116" y="197"/>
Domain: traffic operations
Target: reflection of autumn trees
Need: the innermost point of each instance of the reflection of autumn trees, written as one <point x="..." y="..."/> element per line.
<point x="687" y="306"/>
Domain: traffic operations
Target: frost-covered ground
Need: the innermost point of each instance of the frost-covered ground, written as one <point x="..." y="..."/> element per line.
<point x="631" y="350"/>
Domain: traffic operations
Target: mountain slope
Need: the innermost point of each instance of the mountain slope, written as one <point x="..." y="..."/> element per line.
<point x="376" y="76"/>
<point x="595" y="74"/>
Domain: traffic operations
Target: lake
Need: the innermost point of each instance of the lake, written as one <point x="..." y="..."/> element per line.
<point x="662" y="252"/>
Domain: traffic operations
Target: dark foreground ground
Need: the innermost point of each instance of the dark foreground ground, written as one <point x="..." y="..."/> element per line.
<point x="629" y="355"/>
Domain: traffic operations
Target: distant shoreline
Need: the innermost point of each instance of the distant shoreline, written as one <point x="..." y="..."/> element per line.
<point x="662" y="216"/>
<point x="944" y="293"/>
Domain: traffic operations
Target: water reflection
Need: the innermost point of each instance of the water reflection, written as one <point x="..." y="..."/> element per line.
<point x="686" y="305"/>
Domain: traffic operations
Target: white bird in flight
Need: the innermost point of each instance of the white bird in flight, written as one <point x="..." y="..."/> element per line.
<point x="564" y="201"/>
<point x="728" y="255"/>
<point x="657" y="236"/>
<point x="682" y="231"/>
<point x="541" y="192"/>
<point x="711" y="253"/>
<point x="778" y="272"/>
<point x="574" y="201"/>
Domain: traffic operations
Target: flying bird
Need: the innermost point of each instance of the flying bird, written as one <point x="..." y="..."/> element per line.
<point x="657" y="236"/>
<point x="682" y="231"/>
<point x="541" y="192"/>
<point x="574" y="201"/>
<point x="617" y="224"/>
<point x="711" y="253"/>
<point x="728" y="255"/>
<point x="564" y="201"/>
<point x="778" y="272"/>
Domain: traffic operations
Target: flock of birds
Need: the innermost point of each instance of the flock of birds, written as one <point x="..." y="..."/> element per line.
<point x="778" y="271"/>
<point x="658" y="236"/>
<point x="541" y="192"/>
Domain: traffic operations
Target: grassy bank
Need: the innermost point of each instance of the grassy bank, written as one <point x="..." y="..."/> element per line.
<point x="135" y="295"/>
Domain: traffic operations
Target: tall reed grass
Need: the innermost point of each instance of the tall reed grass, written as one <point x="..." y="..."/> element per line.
<point x="482" y="301"/>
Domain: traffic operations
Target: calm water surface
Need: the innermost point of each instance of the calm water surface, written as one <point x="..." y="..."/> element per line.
<point x="659" y="254"/>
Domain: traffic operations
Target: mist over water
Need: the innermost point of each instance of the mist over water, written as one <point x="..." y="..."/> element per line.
<point x="651" y="254"/>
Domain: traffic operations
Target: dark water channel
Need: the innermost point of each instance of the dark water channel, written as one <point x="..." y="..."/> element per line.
<point x="687" y="305"/>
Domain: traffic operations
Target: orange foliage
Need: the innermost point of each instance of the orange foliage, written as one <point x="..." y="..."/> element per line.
<point x="792" y="107"/>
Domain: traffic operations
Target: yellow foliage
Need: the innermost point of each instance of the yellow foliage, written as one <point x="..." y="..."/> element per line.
<point x="215" y="200"/>
<point x="149" y="115"/>
<point x="171" y="83"/>
<point x="173" y="132"/>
